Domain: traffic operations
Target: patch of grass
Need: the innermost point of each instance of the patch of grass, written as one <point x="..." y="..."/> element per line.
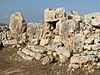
<point x="44" y="52"/>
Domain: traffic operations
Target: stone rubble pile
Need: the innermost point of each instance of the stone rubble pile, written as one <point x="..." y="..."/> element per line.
<point x="5" y="35"/>
<point x="61" y="37"/>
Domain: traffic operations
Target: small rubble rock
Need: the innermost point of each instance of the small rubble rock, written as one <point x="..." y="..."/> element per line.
<point x="50" y="52"/>
<point x="75" y="16"/>
<point x="57" y="40"/>
<point x="45" y="60"/>
<point x="97" y="40"/>
<point x="97" y="31"/>
<point x="98" y="55"/>
<point x="96" y="46"/>
<point x="38" y="56"/>
<point x="24" y="56"/>
<point x="23" y="39"/>
<point x="98" y="64"/>
<point x="63" y="51"/>
<point x="86" y="32"/>
<point x="62" y="58"/>
<point x="74" y="66"/>
<point x="83" y="59"/>
<point x="4" y="28"/>
<point x="20" y="49"/>
<point x="28" y="52"/>
<point x="35" y="41"/>
<point x="13" y="46"/>
<point x="44" y="42"/>
<point x="37" y="48"/>
<point x="89" y="41"/>
<point x="18" y="45"/>
<point x="54" y="54"/>
<point x="51" y="58"/>
<point x="87" y="47"/>
<point x="10" y="42"/>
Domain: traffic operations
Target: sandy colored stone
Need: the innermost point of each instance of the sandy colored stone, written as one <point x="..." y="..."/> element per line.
<point x="51" y="15"/>
<point x="17" y="25"/>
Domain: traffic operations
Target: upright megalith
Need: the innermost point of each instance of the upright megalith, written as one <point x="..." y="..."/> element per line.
<point x="17" y="25"/>
<point x="51" y="15"/>
<point x="47" y="34"/>
<point x="34" y="31"/>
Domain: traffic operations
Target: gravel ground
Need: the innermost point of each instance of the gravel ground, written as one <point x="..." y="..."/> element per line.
<point x="12" y="64"/>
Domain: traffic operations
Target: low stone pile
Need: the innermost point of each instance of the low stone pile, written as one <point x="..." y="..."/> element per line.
<point x="5" y="34"/>
<point x="61" y="37"/>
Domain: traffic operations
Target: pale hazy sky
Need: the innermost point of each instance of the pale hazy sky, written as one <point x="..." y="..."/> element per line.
<point x="33" y="10"/>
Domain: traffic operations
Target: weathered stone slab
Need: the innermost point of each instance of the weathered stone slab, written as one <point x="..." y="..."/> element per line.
<point x="17" y="25"/>
<point x="51" y="15"/>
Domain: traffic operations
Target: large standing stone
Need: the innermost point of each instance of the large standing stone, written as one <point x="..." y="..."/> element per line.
<point x="78" y="41"/>
<point x="31" y="31"/>
<point x="17" y="25"/>
<point x="48" y="36"/>
<point x="67" y="31"/>
<point x="34" y="31"/>
<point x="51" y="15"/>
<point x="93" y="19"/>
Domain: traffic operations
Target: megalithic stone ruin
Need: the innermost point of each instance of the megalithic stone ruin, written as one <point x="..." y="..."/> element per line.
<point x="62" y="36"/>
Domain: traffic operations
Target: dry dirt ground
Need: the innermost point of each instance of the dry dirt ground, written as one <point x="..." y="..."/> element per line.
<point x="12" y="64"/>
